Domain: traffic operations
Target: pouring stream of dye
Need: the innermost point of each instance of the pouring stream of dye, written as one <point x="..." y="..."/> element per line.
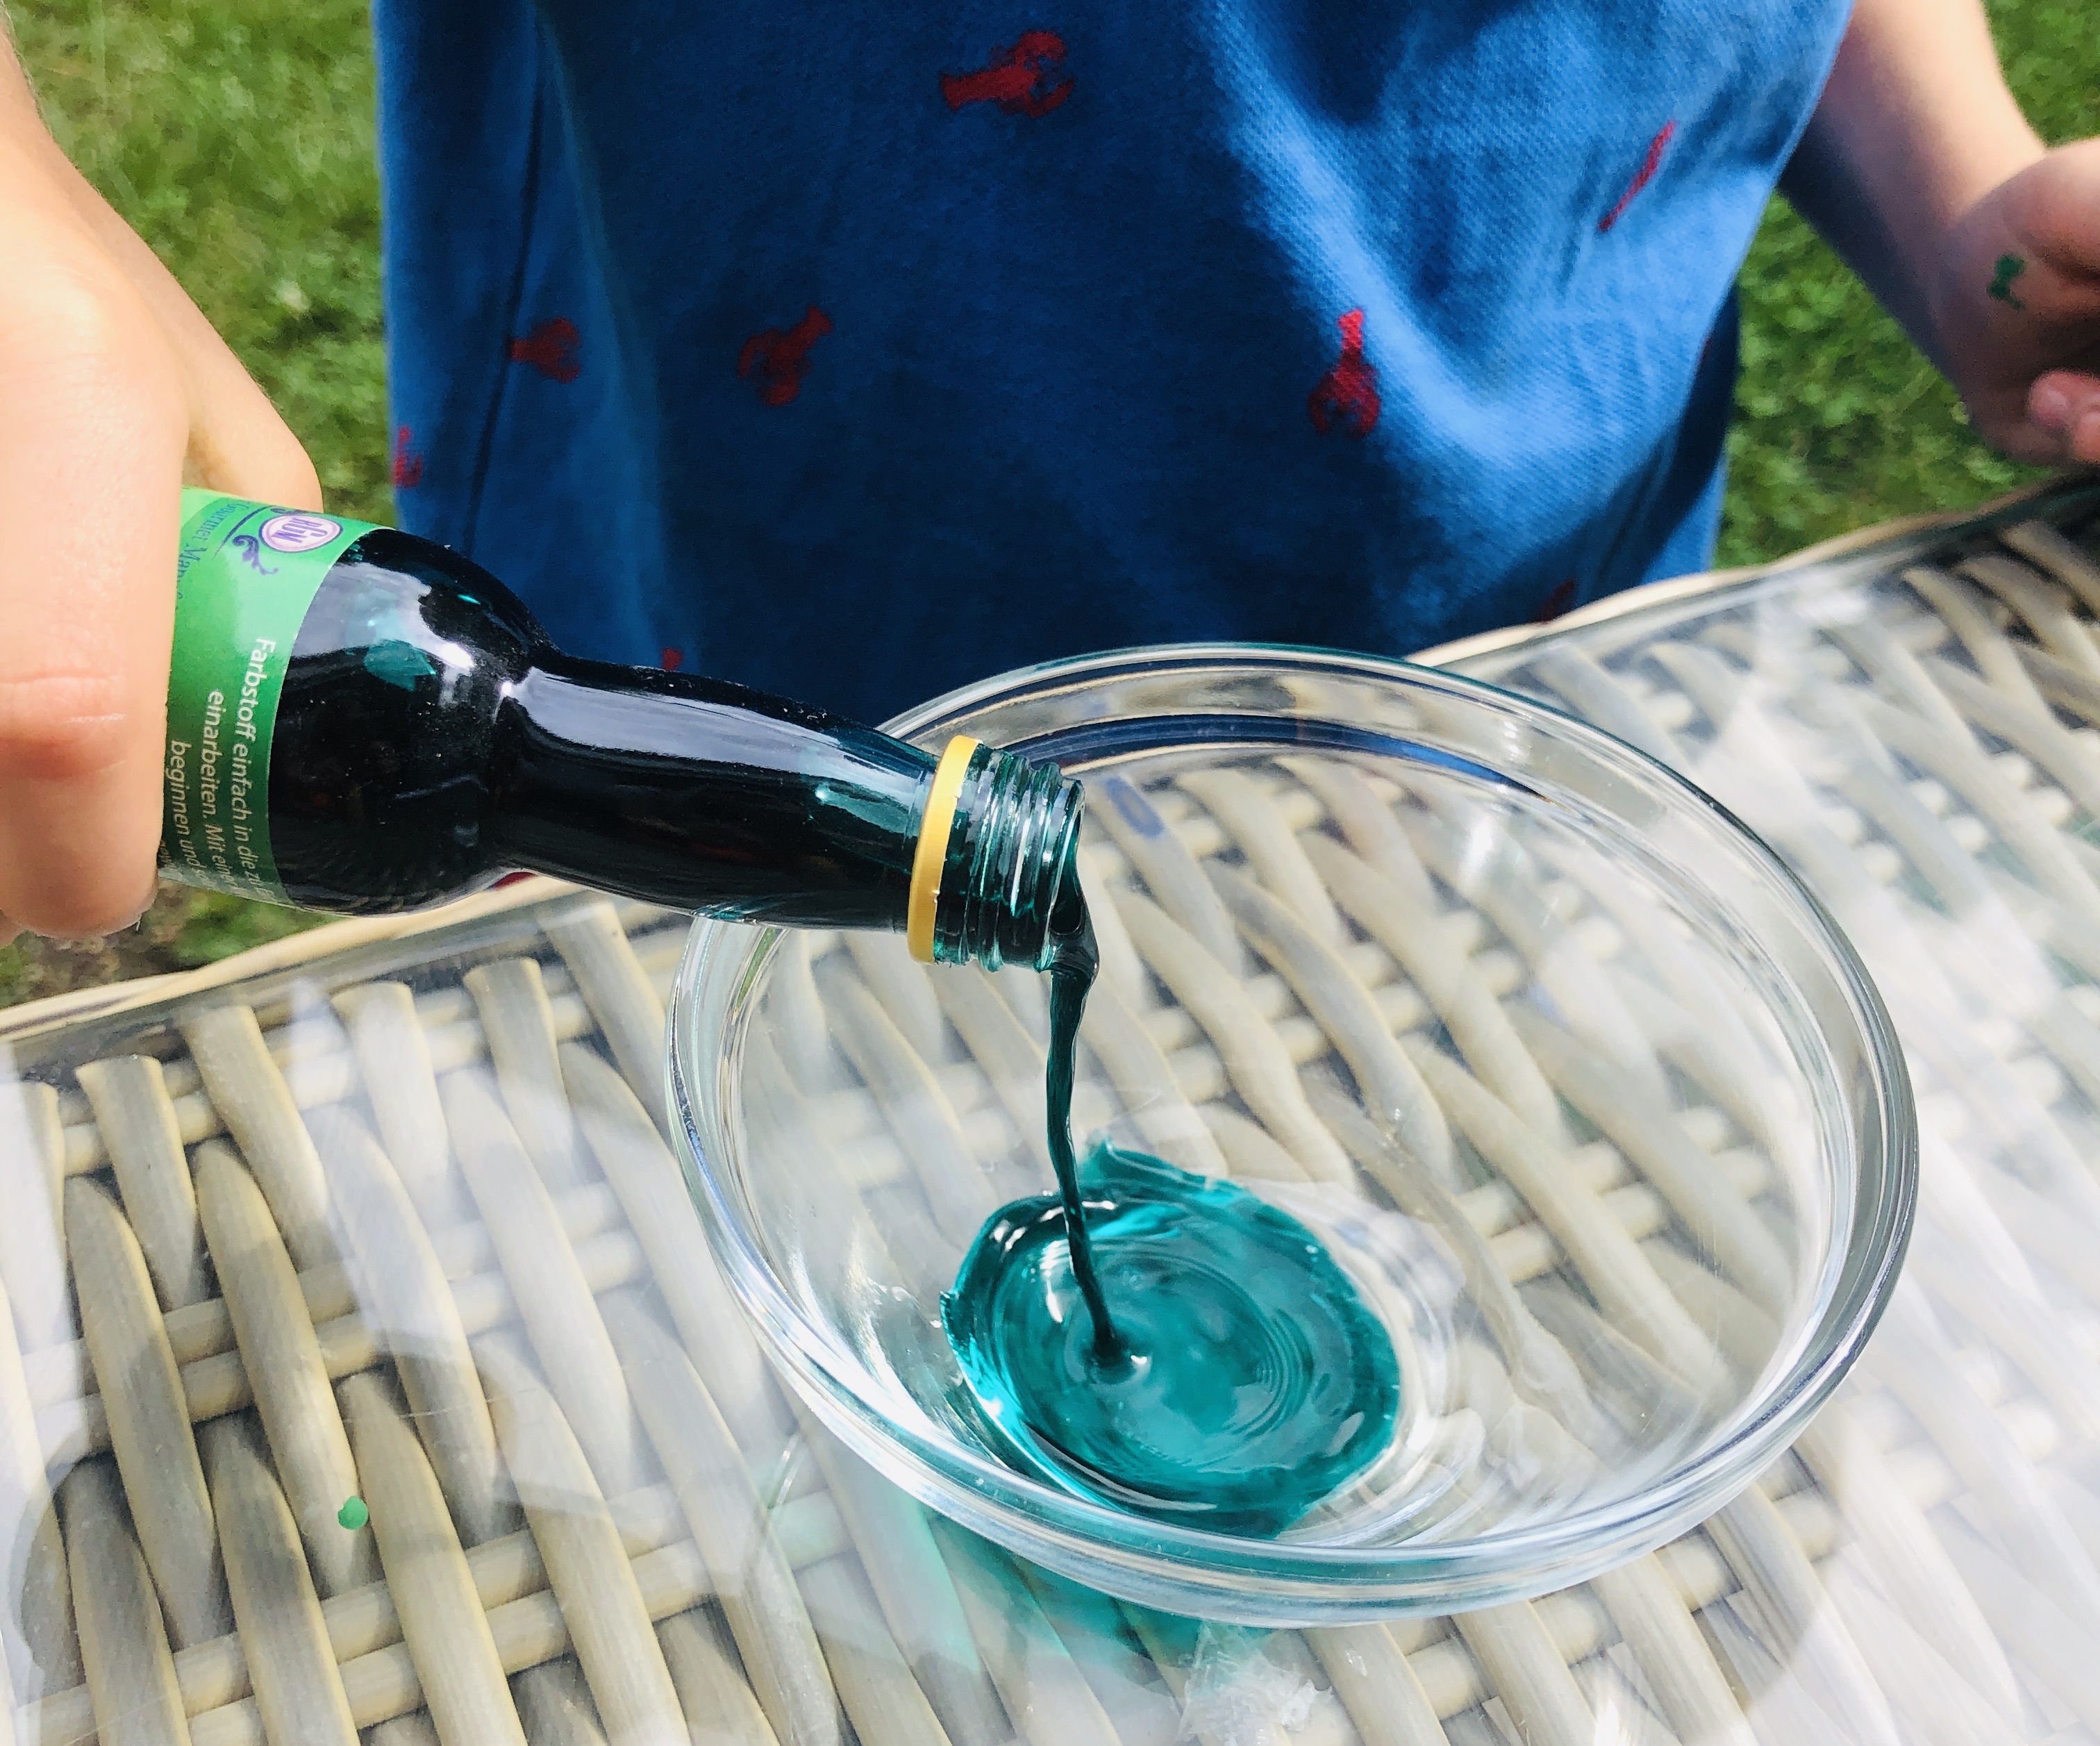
<point x="1170" y="1345"/>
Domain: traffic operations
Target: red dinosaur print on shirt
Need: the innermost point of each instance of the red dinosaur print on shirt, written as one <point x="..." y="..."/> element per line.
<point x="1642" y="177"/>
<point x="1557" y="602"/>
<point x="550" y="348"/>
<point x="781" y="356"/>
<point x="1348" y="393"/>
<point x="673" y="660"/>
<point x="407" y="463"/>
<point x="1017" y="79"/>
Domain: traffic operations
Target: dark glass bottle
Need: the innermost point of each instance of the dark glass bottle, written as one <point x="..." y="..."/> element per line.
<point x="416" y="737"/>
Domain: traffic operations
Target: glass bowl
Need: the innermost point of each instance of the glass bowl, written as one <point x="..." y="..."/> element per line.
<point x="1590" y="1098"/>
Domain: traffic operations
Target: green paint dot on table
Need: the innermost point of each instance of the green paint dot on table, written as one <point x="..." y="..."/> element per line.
<point x="353" y="1514"/>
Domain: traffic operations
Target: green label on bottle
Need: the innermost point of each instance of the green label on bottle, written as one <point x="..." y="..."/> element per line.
<point x="243" y="578"/>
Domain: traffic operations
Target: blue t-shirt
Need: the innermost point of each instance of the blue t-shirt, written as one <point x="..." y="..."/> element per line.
<point x="858" y="353"/>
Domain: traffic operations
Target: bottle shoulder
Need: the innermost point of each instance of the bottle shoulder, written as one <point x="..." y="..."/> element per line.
<point x="389" y="748"/>
<point x="388" y="583"/>
<point x="707" y="723"/>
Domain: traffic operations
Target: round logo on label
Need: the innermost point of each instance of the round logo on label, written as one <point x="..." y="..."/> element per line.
<point x="298" y="532"/>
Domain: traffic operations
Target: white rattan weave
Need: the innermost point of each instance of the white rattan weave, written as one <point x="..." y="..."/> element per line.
<point x="400" y="1221"/>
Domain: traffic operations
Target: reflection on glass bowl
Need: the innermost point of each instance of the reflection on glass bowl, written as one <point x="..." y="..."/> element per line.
<point x="1591" y="1100"/>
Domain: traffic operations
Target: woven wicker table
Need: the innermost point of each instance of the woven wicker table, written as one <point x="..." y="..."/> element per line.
<point x="363" y="1369"/>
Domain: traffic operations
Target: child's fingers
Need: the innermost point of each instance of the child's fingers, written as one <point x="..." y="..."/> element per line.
<point x="117" y="392"/>
<point x="2065" y="405"/>
<point x="90" y="473"/>
<point x="236" y="441"/>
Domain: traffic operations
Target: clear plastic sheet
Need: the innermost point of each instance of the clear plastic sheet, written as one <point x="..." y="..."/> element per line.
<point x="398" y="1223"/>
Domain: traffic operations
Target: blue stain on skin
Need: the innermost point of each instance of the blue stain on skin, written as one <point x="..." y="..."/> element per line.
<point x="2009" y="267"/>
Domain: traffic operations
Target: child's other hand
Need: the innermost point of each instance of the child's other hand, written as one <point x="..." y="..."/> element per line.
<point x="2016" y="308"/>
<point x="116" y="392"/>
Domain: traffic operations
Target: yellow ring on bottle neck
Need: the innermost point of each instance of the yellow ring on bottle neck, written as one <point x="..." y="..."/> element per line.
<point x="931" y="854"/>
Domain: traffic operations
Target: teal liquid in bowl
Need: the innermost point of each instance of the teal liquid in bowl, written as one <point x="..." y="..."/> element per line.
<point x="1170" y="1345"/>
<point x="1250" y="1380"/>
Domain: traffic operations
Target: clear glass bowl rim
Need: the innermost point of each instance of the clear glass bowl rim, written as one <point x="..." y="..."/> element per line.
<point x="1273" y="1583"/>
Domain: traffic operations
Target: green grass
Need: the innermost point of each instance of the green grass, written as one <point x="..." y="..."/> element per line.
<point x="237" y="136"/>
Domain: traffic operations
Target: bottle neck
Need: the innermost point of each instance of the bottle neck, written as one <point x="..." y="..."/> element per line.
<point x="691" y="791"/>
<point x="1009" y="874"/>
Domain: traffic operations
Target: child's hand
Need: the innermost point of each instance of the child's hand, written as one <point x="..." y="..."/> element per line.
<point x="116" y="392"/>
<point x="2016" y="309"/>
